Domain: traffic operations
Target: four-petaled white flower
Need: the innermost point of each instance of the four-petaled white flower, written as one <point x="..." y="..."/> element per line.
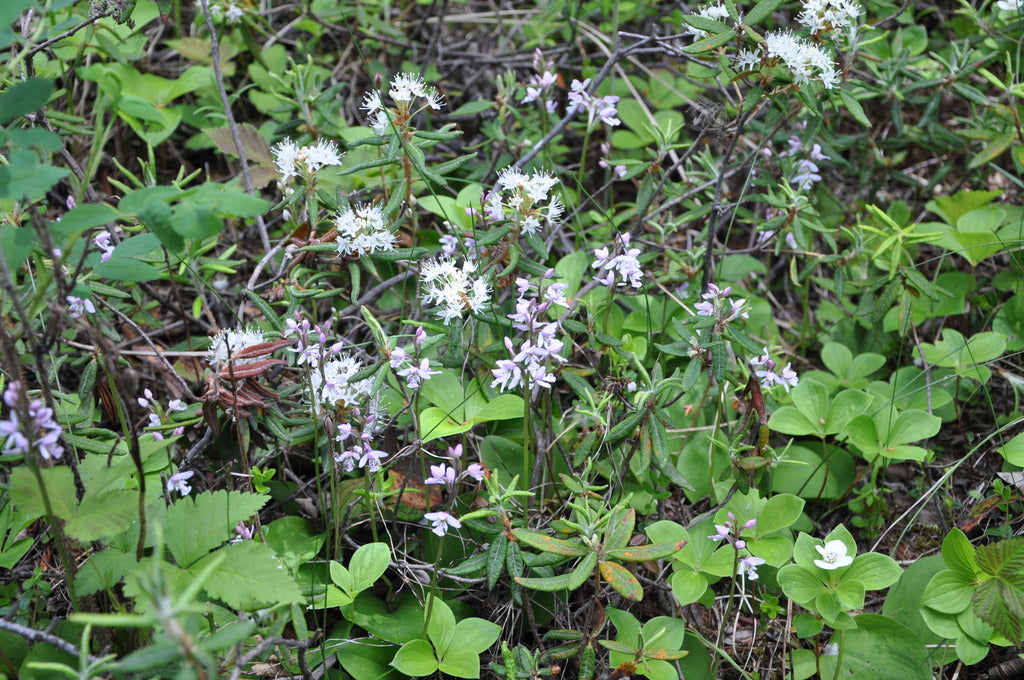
<point x="833" y="555"/>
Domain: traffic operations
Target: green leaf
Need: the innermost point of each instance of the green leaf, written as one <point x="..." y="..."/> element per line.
<point x="854" y="107"/>
<point x="196" y="525"/>
<point x="15" y="244"/>
<point x="620" y="528"/>
<point x="781" y="511"/>
<point x="761" y="11"/>
<point x="23" y="98"/>
<point x="619" y="578"/>
<point x="368" y="564"/>
<point x="959" y="554"/>
<point x="59" y="490"/>
<point x="250" y="576"/>
<point x="557" y="546"/>
<point x="949" y="592"/>
<point x="874" y="570"/>
<point x="850" y="593"/>
<point x="25" y="179"/>
<point x="415" y="658"/>
<point x="1001" y="606"/>
<point x="688" y="586"/>
<point x="1004" y="558"/>
<point x="103" y="515"/>
<point x="294" y="539"/>
<point x="800" y="584"/>
<point x="571" y="581"/>
<point x="643" y="553"/>
<point x="441" y="627"/>
<point x="127" y="269"/>
<point x="881" y="649"/>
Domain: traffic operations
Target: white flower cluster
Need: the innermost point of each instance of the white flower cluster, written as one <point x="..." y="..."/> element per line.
<point x="822" y="16"/>
<point x="332" y="382"/>
<point x="363" y="230"/>
<point x="453" y="289"/>
<point x="805" y="60"/>
<point x="404" y="90"/>
<point x="289" y="156"/>
<point x="525" y="200"/>
<point x="228" y="343"/>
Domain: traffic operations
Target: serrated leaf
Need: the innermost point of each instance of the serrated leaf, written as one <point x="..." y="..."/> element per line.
<point x="196" y="525"/>
<point x="250" y="576"/>
<point x="1003" y="558"/>
<point x="1001" y="607"/>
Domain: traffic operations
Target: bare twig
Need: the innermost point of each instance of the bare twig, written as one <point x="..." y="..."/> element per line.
<point x="34" y="635"/>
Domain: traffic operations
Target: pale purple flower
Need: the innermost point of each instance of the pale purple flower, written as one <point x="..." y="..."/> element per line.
<point x="620" y="261"/>
<point x="175" y="405"/>
<point x="244" y="532"/>
<point x="344" y="432"/>
<point x="750" y="564"/>
<point x="722" y="532"/>
<point x="371" y="458"/>
<point x="145" y="399"/>
<point x="41" y="431"/>
<point x="179" y="482"/>
<point x="455" y="451"/>
<point x="441" y="474"/>
<point x="398" y="357"/>
<point x="102" y="241"/>
<point x="476" y="471"/>
<point x="416" y="375"/>
<point x="78" y="306"/>
<point x="442" y="521"/>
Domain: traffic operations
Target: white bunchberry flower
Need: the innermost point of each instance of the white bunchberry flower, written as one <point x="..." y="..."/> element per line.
<point x="228" y="343"/>
<point x="363" y="230"/>
<point x="833" y="555"/>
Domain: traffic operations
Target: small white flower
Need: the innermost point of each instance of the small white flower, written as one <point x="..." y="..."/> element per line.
<point x="831" y="649"/>
<point x="833" y="555"/>
<point x="1009" y="5"/>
